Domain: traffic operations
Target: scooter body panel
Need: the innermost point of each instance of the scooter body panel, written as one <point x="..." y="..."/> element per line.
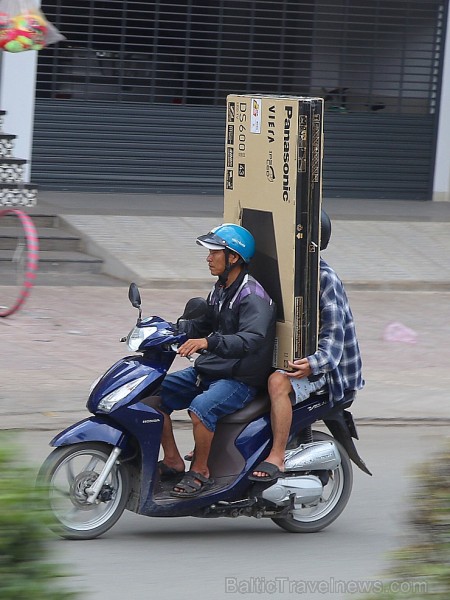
<point x="92" y="429"/>
<point x="254" y="444"/>
<point x="127" y="370"/>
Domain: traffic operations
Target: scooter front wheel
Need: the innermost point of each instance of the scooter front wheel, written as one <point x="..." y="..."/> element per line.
<point x="66" y="474"/>
<point x="336" y="493"/>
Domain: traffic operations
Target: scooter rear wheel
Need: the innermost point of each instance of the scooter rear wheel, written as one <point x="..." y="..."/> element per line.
<point x="66" y="474"/>
<point x="309" y="519"/>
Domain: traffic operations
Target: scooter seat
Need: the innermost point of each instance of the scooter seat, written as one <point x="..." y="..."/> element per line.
<point x="257" y="407"/>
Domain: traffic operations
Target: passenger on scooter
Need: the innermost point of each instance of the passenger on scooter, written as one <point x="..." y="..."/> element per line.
<point x="235" y="341"/>
<point x="334" y="369"/>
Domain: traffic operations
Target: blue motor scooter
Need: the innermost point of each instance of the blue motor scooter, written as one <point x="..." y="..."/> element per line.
<point x="108" y="462"/>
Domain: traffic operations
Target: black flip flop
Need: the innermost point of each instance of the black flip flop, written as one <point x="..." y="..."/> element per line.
<point x="193" y="484"/>
<point x="273" y="472"/>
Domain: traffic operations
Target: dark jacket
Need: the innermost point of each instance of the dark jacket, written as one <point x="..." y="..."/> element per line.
<point x="240" y="328"/>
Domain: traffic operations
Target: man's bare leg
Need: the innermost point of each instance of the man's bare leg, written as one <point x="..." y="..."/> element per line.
<point x="281" y="418"/>
<point x="172" y="457"/>
<point x="203" y="439"/>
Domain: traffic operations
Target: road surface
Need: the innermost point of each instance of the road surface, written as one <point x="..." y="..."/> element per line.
<point x="142" y="558"/>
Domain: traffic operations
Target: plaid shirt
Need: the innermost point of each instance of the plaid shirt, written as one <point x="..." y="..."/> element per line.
<point x="338" y="353"/>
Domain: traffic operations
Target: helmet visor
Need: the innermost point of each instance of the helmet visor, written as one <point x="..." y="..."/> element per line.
<point x="211" y="241"/>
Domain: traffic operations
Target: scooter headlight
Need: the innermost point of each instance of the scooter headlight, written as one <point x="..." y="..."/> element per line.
<point x="138" y="335"/>
<point x="107" y="403"/>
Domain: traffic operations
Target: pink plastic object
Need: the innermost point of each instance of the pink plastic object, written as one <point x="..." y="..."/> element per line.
<point x="397" y="332"/>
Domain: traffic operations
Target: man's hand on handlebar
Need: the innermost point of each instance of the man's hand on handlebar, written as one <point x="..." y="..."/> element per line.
<point x="191" y="346"/>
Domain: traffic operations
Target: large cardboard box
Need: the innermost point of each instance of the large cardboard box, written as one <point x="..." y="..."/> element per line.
<point x="273" y="187"/>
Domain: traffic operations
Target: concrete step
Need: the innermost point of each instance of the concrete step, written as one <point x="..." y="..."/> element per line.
<point x="50" y="238"/>
<point x="55" y="261"/>
<point x="68" y="262"/>
<point x="38" y="220"/>
<point x="60" y="250"/>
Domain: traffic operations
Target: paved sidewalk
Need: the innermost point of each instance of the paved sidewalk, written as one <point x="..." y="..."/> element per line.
<point x="393" y="258"/>
<point x="375" y="244"/>
<point x="156" y="251"/>
<point x="66" y="337"/>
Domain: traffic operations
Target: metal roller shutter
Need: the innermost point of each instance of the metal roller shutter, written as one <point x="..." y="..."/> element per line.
<point x="134" y="99"/>
<point x="128" y="147"/>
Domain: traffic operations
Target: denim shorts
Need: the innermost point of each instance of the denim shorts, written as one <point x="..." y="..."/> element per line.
<point x="210" y="400"/>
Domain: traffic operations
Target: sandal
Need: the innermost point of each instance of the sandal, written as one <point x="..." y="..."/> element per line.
<point x="191" y="485"/>
<point x="271" y="472"/>
<point x="167" y="473"/>
<point x="189" y="457"/>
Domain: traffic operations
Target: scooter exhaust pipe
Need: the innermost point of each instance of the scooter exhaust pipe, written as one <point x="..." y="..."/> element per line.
<point x="307" y="489"/>
<point x="315" y="456"/>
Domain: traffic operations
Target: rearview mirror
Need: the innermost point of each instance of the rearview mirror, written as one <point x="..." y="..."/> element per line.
<point x="134" y="295"/>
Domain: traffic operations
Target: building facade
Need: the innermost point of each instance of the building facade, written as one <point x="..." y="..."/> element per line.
<point x="134" y="99"/>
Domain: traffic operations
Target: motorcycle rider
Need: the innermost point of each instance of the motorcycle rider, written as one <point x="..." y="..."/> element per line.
<point x="335" y="368"/>
<point x="235" y="341"/>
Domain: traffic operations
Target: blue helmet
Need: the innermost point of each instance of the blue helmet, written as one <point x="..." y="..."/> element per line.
<point x="234" y="237"/>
